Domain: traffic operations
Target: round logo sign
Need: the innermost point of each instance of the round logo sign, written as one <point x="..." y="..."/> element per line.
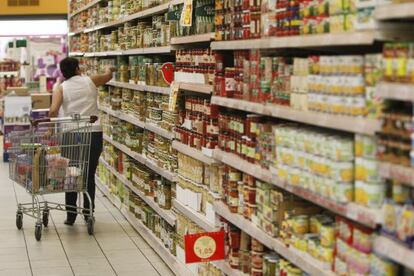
<point x="204" y="247"/>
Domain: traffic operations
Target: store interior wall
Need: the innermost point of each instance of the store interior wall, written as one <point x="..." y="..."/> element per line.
<point x="45" y="7"/>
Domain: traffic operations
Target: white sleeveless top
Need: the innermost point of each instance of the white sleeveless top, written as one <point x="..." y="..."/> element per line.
<point x="80" y="96"/>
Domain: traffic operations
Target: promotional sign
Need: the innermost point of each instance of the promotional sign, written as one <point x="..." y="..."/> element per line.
<point x="204" y="247"/>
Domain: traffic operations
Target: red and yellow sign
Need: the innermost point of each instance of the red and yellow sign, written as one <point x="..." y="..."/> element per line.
<point x="204" y="247"/>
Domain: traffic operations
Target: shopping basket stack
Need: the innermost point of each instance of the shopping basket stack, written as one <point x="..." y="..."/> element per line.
<point x="51" y="157"/>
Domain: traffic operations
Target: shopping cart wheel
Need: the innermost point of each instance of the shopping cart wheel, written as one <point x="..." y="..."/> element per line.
<point x="45" y="217"/>
<point x="90" y="223"/>
<point x="38" y="231"/>
<point x="19" y="220"/>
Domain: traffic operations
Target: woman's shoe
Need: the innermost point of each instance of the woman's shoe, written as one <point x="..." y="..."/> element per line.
<point x="69" y="222"/>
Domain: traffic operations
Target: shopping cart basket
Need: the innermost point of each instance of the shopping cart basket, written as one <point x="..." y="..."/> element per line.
<point x="51" y="157"/>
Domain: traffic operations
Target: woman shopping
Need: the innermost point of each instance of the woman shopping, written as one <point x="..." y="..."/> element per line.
<point x="78" y="95"/>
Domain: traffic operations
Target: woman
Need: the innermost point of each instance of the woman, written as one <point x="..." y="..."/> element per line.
<point x="78" y="95"/>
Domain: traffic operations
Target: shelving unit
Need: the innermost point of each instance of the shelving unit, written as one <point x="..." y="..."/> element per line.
<point x="360" y="214"/>
<point x="126" y="117"/>
<point x="304" y="261"/>
<point x="165" y="214"/>
<point x="142" y="14"/>
<point x="395" y="11"/>
<point x="339" y="122"/>
<point x="84" y="8"/>
<point x="194" y="153"/>
<point x="192" y="39"/>
<point x="196" y="87"/>
<point x="76" y="54"/>
<point x="160" y="131"/>
<point x="395" y="251"/>
<point x="226" y="268"/>
<point x="400" y="173"/>
<point x="135" y="121"/>
<point x="138" y="51"/>
<point x="339" y="43"/>
<point x="199" y="219"/>
<point x="396" y="91"/>
<point x="9" y="73"/>
<point x="149" y="237"/>
<point x="142" y="159"/>
<point x="356" y="38"/>
<point x="139" y="87"/>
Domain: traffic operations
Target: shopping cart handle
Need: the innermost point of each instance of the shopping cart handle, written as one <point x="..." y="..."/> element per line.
<point x="35" y="123"/>
<point x="92" y="119"/>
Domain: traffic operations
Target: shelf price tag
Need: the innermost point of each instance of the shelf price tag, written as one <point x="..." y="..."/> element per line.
<point x="204" y="247"/>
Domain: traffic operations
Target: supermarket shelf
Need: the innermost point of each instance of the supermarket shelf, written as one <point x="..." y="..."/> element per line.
<point x="226" y="268"/>
<point x="396" y="91"/>
<point x="142" y="14"/>
<point x="76" y="54"/>
<point x="302" y="260"/>
<point x="75" y="32"/>
<point x="339" y="122"/>
<point x="242" y="165"/>
<point x="138" y="157"/>
<point x="149" y="50"/>
<point x="400" y="173"/>
<point x="177" y="267"/>
<point x="165" y="214"/>
<point x="192" y="39"/>
<point x="366" y="216"/>
<point x="138" y="51"/>
<point x="135" y="121"/>
<point x="395" y="251"/>
<point x="356" y="38"/>
<point x="199" y="219"/>
<point x="196" y="87"/>
<point x="358" y="213"/>
<point x="17" y="124"/>
<point x="192" y="152"/>
<point x="142" y="159"/>
<point x="148" y="88"/>
<point x="9" y="73"/>
<point x="160" y="131"/>
<point x="164" y="173"/>
<point x="394" y="11"/>
<point x="121" y="115"/>
<point x="84" y="8"/>
<point x="105" y="190"/>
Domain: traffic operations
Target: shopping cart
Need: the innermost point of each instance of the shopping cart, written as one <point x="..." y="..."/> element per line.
<point x="51" y="157"/>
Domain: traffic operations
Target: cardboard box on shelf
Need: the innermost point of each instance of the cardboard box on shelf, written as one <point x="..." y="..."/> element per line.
<point x="18" y="91"/>
<point x="41" y="100"/>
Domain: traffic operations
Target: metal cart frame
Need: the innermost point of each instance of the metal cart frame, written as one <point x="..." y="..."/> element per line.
<point x="52" y="157"/>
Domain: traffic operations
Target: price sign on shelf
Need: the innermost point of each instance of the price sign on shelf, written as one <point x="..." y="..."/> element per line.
<point x="204" y="247"/>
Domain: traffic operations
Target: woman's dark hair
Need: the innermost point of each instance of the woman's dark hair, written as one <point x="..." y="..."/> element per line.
<point x="69" y="67"/>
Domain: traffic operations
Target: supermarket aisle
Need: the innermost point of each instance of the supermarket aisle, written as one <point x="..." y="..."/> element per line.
<point x="115" y="249"/>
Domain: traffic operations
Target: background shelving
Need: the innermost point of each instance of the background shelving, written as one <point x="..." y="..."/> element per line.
<point x="345" y="123"/>
<point x="338" y="43"/>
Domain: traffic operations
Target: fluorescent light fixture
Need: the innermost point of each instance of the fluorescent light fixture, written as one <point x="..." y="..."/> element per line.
<point x="33" y="27"/>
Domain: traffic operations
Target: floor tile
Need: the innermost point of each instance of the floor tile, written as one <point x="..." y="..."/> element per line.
<point x="55" y="271"/>
<point x="151" y="255"/>
<point x="162" y="269"/>
<point x="16" y="271"/>
<point x="115" y="249"/>
<point x="140" y="242"/>
<point x="132" y="256"/>
<point x="126" y="268"/>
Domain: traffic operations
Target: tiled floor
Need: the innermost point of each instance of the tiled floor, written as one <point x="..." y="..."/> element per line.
<point x="115" y="248"/>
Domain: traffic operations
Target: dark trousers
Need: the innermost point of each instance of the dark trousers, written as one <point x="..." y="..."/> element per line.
<point x="72" y="197"/>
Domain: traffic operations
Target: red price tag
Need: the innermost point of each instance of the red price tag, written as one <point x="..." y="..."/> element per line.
<point x="204" y="247"/>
